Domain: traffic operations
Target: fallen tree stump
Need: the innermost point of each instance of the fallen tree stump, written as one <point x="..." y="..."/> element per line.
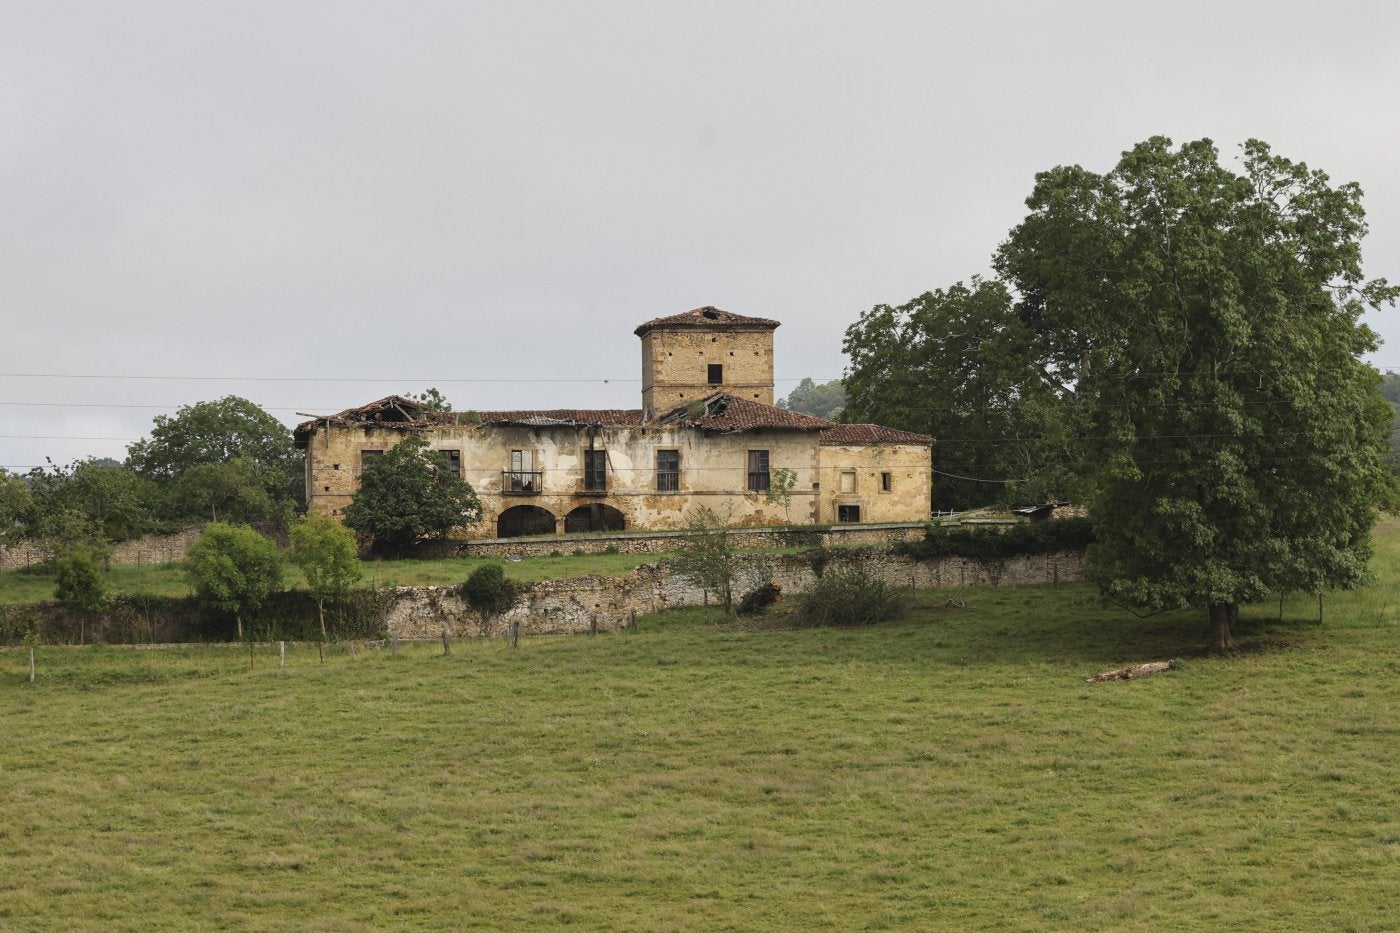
<point x="1132" y="672"/>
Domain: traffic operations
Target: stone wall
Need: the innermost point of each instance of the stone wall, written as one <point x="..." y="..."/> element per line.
<point x="578" y="604"/>
<point x="148" y="549"/>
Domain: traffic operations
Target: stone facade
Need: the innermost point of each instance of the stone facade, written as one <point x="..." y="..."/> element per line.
<point x="721" y="445"/>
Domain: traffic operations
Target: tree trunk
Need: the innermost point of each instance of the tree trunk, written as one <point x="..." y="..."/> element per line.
<point x="321" y="612"/>
<point x="238" y="620"/>
<point x="1220" y="617"/>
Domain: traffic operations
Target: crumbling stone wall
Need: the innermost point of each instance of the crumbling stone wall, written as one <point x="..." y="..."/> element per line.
<point x="579" y="605"/>
<point x="148" y="549"/>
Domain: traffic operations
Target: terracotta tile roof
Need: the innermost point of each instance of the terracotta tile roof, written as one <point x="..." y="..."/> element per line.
<point x="856" y="434"/>
<point x="563" y="417"/>
<point x="727" y="414"/>
<point x="706" y="317"/>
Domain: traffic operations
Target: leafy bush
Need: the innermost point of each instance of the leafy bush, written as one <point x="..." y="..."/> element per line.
<point x="489" y="592"/>
<point x="848" y="598"/>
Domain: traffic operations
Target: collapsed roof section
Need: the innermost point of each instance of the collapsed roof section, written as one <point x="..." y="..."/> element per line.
<point x="392" y="411"/>
<point x="720" y="413"/>
<point x="708" y="318"/>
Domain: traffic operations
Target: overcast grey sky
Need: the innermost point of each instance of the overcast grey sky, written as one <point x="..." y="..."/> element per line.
<point x="377" y="197"/>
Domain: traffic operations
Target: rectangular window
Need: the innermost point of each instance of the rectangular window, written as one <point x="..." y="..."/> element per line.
<point x="848" y="481"/>
<point x="595" y="470"/>
<point x="886" y="482"/>
<point x="758" y="470"/>
<point x="453" y="458"/>
<point x="522" y="476"/>
<point x="367" y="457"/>
<point x="848" y="513"/>
<point x="668" y="471"/>
<point x="716" y="374"/>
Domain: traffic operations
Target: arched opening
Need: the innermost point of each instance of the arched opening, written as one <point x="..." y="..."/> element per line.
<point x="594" y="517"/>
<point x="524" y="520"/>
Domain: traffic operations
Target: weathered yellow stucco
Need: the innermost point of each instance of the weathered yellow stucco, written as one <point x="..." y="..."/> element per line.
<point x="536" y="460"/>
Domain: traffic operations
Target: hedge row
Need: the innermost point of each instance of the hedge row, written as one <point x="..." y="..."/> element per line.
<point x="289" y="615"/>
<point x="984" y="543"/>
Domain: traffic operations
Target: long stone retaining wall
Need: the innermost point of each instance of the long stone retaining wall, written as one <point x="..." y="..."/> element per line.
<point x="583" y="604"/>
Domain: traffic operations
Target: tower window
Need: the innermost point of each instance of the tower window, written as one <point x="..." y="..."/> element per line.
<point x="716" y="374"/>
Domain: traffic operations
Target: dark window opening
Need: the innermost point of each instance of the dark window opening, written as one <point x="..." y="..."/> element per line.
<point x="848" y="513"/>
<point x="595" y="517"/>
<point x="524" y="520"/>
<point x="595" y="470"/>
<point x="668" y="471"/>
<point x="886" y="482"/>
<point x="758" y="470"/>
<point x="716" y="374"/>
<point x="453" y="458"/>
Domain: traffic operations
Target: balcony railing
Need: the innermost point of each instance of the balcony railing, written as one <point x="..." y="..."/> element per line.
<point x="522" y="482"/>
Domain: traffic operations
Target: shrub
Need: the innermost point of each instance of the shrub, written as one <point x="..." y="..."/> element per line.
<point x="847" y="598"/>
<point x="489" y="592"/>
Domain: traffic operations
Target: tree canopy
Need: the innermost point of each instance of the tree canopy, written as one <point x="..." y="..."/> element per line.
<point x="230" y="428"/>
<point x="234" y="569"/>
<point x="960" y="365"/>
<point x="1208" y="321"/>
<point x="325" y="551"/>
<point x="409" y="494"/>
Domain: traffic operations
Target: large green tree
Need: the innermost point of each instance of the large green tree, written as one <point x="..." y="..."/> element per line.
<point x="216" y="432"/>
<point x="959" y="364"/>
<point x="409" y="494"/>
<point x="89" y="501"/>
<point x="1209" y="320"/>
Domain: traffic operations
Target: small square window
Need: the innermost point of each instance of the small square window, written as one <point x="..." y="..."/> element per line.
<point x="716" y="374"/>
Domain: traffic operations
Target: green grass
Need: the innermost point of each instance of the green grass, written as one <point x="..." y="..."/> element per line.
<point x="36" y="585"/>
<point x="951" y="771"/>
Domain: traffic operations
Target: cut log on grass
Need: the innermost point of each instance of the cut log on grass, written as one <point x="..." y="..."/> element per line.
<point x="1132" y="672"/>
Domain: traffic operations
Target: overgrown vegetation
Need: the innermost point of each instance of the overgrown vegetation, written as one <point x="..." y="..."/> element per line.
<point x="849" y="598"/>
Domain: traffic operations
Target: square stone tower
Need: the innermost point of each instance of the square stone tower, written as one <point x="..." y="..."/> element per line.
<point x="689" y="356"/>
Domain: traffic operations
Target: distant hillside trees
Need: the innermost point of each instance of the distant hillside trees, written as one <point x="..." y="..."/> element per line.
<point x="827" y="400"/>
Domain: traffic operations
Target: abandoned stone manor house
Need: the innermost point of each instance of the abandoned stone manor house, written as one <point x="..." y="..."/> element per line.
<point x="707" y="433"/>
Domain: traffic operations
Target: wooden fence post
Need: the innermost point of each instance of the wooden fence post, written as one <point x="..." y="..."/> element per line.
<point x="282" y="654"/>
<point x="446" y="644"/>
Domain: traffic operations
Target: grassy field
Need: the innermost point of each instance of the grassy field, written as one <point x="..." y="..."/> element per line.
<point x="951" y="771"/>
<point x="24" y="587"/>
